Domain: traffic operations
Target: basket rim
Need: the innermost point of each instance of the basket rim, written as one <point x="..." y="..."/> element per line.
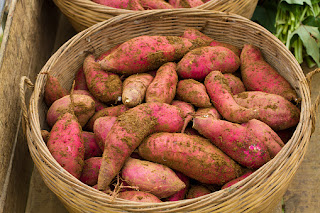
<point x="35" y="135"/>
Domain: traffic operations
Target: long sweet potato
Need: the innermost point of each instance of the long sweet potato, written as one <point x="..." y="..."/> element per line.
<point x="90" y="171"/>
<point x="53" y="90"/>
<point x="80" y="80"/>
<point x="101" y="128"/>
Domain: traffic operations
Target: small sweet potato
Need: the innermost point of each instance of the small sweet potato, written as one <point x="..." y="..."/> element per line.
<point x="145" y="53"/>
<point x="80" y="80"/>
<point x="53" y="90"/>
<point x="242" y="177"/>
<point x="101" y="128"/>
<point x="65" y="143"/>
<point x="91" y="148"/>
<point x="84" y="108"/>
<point x="196" y="190"/>
<point x="259" y="75"/>
<point x="134" y="89"/>
<point x="105" y="86"/>
<point x="154" y="178"/>
<point x="194" y="92"/>
<point x="198" y="63"/>
<point x="163" y="87"/>
<point x="139" y="196"/>
<point x="192" y="155"/>
<point x="234" y="83"/>
<point x="90" y="171"/>
<point x="98" y="104"/>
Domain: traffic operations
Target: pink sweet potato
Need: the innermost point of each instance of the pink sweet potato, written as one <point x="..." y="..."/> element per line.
<point x="163" y="87"/>
<point x="187" y="111"/>
<point x="242" y="177"/>
<point x="123" y="4"/>
<point x="134" y="89"/>
<point x="274" y="110"/>
<point x="65" y="143"/>
<point x="234" y="83"/>
<point x="91" y="148"/>
<point x="180" y="195"/>
<point x="98" y="104"/>
<point x="198" y="63"/>
<point x="196" y="36"/>
<point x="139" y="196"/>
<point x="222" y="99"/>
<point x="101" y="128"/>
<point x="259" y="75"/>
<point x="130" y="129"/>
<point x="207" y="112"/>
<point x="80" y="80"/>
<point x="53" y="90"/>
<point x="145" y="53"/>
<point x="194" y="92"/>
<point x="192" y="155"/>
<point x="154" y="178"/>
<point x="84" y="108"/>
<point x="109" y="111"/>
<point x="235" y="140"/>
<point x="105" y="86"/>
<point x="197" y="191"/>
<point x="90" y="171"/>
<point x="155" y="4"/>
<point x="231" y="47"/>
<point x="106" y="53"/>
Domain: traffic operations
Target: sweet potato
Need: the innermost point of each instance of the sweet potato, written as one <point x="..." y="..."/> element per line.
<point x="91" y="148"/>
<point x="274" y="110"/>
<point x="106" y="53"/>
<point x="231" y="47"/>
<point x="154" y="178"/>
<point x="134" y="89"/>
<point x="80" y="80"/>
<point x="65" y="143"/>
<point x="129" y="130"/>
<point x="194" y="92"/>
<point x="98" y="104"/>
<point x="192" y="155"/>
<point x="155" y="4"/>
<point x="259" y="75"/>
<point x="145" y="53"/>
<point x="198" y="63"/>
<point x="187" y="111"/>
<point x="139" y="196"/>
<point x="90" y="171"/>
<point x="53" y="90"/>
<point x="207" y="112"/>
<point x="242" y="177"/>
<point x="222" y="99"/>
<point x="101" y="128"/>
<point x="105" y="86"/>
<point x="235" y="140"/>
<point x="163" y="87"/>
<point x="197" y="191"/>
<point x="84" y="108"/>
<point x="123" y="4"/>
<point x="234" y="83"/>
<point x="109" y="111"/>
<point x="185" y="3"/>
<point x="180" y="195"/>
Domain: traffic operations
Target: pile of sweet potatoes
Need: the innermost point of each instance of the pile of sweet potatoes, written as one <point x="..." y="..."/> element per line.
<point x="166" y="118"/>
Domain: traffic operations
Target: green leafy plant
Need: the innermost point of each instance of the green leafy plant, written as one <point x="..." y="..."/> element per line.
<point x="296" y="23"/>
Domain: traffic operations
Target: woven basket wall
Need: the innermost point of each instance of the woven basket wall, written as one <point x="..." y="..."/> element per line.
<point x="85" y="13"/>
<point x="260" y="192"/>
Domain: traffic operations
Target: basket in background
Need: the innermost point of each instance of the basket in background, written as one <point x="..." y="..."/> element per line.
<point x="260" y="192"/>
<point x="85" y="13"/>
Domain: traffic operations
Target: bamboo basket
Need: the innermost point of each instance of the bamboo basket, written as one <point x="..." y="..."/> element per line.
<point x="260" y="192"/>
<point x="85" y="13"/>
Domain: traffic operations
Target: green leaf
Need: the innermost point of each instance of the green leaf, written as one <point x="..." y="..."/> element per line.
<point x="312" y="21"/>
<point x="265" y="16"/>
<point x="310" y="36"/>
<point x="298" y="2"/>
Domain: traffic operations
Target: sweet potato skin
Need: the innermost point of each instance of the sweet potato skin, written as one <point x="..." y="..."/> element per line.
<point x="91" y="148"/>
<point x="155" y="4"/>
<point x="187" y="111"/>
<point x="65" y="143"/>
<point x="105" y="86"/>
<point x="194" y="92"/>
<point x="235" y="140"/>
<point x="259" y="75"/>
<point x="90" y="171"/>
<point x="197" y="191"/>
<point x="139" y="196"/>
<point x="154" y="178"/>
<point x="198" y="63"/>
<point x="234" y="83"/>
<point x="163" y="87"/>
<point x="180" y="195"/>
<point x="192" y="155"/>
<point x="242" y="177"/>
<point x="145" y="53"/>
<point x="129" y="130"/>
<point x="84" y="108"/>
<point x="98" y="104"/>
<point x="53" y="90"/>
<point x="80" y="80"/>
<point x="101" y="128"/>
<point x="207" y="112"/>
<point x="231" y="47"/>
<point x="134" y="89"/>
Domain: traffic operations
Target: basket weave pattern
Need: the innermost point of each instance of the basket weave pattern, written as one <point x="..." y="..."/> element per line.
<point x="85" y="13"/>
<point x="260" y="192"/>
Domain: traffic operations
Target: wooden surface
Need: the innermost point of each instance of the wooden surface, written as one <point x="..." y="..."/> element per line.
<point x="28" y="41"/>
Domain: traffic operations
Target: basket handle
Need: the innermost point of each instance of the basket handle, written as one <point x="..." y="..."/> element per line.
<point x="24" y="81"/>
<point x="314" y="107"/>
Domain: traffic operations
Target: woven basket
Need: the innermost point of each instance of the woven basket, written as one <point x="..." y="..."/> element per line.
<point x="260" y="192"/>
<point x="85" y="13"/>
